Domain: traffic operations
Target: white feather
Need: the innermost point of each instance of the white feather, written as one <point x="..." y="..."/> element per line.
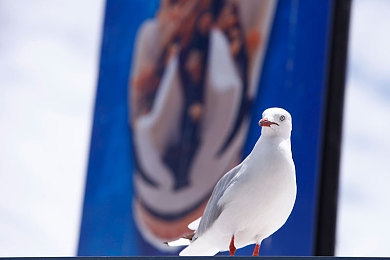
<point x="194" y="224"/>
<point x="179" y="242"/>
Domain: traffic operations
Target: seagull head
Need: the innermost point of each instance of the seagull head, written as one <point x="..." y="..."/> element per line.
<point x="276" y="122"/>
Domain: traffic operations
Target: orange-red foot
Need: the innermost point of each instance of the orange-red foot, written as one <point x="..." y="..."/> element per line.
<point x="256" y="250"/>
<point x="232" y="248"/>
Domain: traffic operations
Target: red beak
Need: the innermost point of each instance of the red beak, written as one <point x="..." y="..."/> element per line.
<point x="266" y="122"/>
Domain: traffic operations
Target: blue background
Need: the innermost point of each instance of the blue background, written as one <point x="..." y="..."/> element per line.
<point x="294" y="77"/>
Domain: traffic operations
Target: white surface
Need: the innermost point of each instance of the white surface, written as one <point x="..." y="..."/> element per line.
<point x="48" y="69"/>
<point x="364" y="205"/>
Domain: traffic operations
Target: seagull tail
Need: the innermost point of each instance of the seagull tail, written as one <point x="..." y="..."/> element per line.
<point x="183" y="241"/>
<point x="179" y="242"/>
<point x="199" y="248"/>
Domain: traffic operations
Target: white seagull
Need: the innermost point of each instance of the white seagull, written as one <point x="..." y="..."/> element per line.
<point x="254" y="199"/>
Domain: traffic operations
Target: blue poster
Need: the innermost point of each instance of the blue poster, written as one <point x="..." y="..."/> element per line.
<point x="182" y="85"/>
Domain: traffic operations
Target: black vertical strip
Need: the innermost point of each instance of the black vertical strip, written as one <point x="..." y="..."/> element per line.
<point x="329" y="178"/>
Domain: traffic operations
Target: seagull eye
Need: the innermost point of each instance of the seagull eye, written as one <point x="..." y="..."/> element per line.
<point x="282" y="117"/>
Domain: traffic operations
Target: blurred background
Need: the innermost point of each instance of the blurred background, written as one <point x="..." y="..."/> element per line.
<point x="49" y="54"/>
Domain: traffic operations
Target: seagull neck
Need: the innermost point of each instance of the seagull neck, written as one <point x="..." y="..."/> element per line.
<point x="267" y="143"/>
<point x="273" y="139"/>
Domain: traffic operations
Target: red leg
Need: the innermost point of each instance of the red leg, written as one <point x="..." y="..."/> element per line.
<point x="256" y="250"/>
<point x="232" y="248"/>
